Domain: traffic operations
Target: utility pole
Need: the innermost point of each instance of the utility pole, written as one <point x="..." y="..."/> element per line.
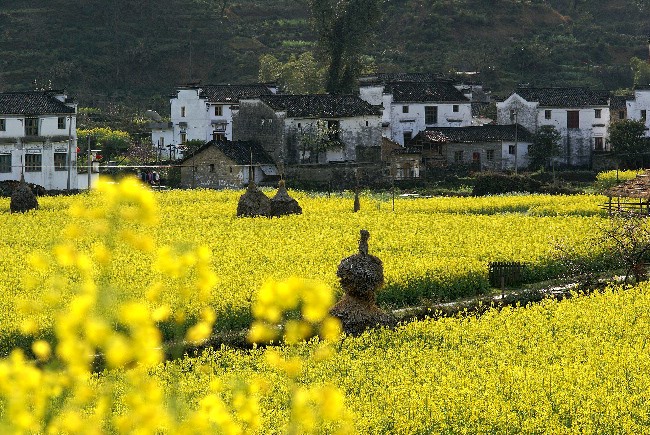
<point x="69" y="157"/>
<point x="89" y="164"/>
<point x="516" y="144"/>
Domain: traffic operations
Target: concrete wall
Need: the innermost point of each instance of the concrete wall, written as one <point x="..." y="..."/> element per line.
<point x="255" y="121"/>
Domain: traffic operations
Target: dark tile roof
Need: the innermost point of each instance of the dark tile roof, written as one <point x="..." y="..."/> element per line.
<point x="385" y="78"/>
<point x="617" y="102"/>
<point x="483" y="133"/>
<point x="239" y="151"/>
<point x="320" y="106"/>
<point x="421" y="92"/>
<point x="33" y="103"/>
<point x="564" y="97"/>
<point x="232" y="93"/>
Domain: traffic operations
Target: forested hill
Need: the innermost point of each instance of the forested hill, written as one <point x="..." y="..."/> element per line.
<point x="136" y="51"/>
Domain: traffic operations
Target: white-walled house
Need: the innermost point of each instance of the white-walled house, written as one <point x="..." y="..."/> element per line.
<point x="580" y="115"/>
<point x="411" y="103"/>
<point x="201" y="112"/>
<point x="288" y="125"/>
<point x="38" y="138"/>
<point x="638" y="108"/>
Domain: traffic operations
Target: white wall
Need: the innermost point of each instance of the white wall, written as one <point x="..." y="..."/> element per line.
<point x="508" y="160"/>
<point x="641" y="102"/>
<point x="414" y="120"/>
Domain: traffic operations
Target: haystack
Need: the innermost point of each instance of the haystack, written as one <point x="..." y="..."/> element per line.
<point x="361" y="275"/>
<point x="23" y="199"/>
<point x="253" y="203"/>
<point x="283" y="204"/>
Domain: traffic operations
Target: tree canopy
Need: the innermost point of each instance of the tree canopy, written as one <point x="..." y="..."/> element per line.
<point x="628" y="141"/>
<point x="545" y="144"/>
<point x="344" y="28"/>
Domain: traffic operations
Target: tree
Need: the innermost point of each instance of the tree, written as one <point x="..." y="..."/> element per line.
<point x="298" y="75"/>
<point x="112" y="143"/>
<point x="628" y="238"/>
<point x="344" y="28"/>
<point x="317" y="138"/>
<point x="640" y="71"/>
<point x="545" y="144"/>
<point x="628" y="141"/>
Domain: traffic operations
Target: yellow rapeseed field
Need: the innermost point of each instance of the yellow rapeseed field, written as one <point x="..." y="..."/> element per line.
<point x="92" y="277"/>
<point x="432" y="248"/>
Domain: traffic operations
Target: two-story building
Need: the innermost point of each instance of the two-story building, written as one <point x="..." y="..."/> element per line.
<point x="580" y="115"/>
<point x="638" y="107"/>
<point x="411" y="103"/>
<point x="38" y="138"/>
<point x="310" y="128"/>
<point x="201" y="112"/>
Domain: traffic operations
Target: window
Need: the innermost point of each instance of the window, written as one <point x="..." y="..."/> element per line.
<point x="218" y="137"/>
<point x="643" y="115"/>
<point x="182" y="111"/>
<point x="513" y="115"/>
<point x="33" y="162"/>
<point x="598" y="113"/>
<point x="161" y="142"/>
<point x="430" y="114"/>
<point x="3" y="124"/>
<point x="621" y="114"/>
<point x="183" y="137"/>
<point x="5" y="162"/>
<point x="458" y="156"/>
<point x="599" y="144"/>
<point x="218" y="110"/>
<point x="367" y="123"/>
<point x="405" y="109"/>
<point x="511" y="150"/>
<point x="455" y="108"/>
<point x="61" y="123"/>
<point x="31" y="126"/>
<point x="211" y="167"/>
<point x="407" y="136"/>
<point x="547" y="114"/>
<point x="60" y="161"/>
<point x="489" y="155"/>
<point x="572" y="119"/>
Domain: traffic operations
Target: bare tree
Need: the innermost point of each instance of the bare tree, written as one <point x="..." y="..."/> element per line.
<point x="628" y="236"/>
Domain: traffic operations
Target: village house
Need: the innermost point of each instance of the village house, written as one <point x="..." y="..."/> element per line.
<point x="413" y="102"/>
<point x="315" y="129"/>
<point x="201" y="112"/>
<point x="227" y="165"/>
<point x="401" y="162"/>
<point x="638" y="107"/>
<point x="485" y="147"/>
<point x="580" y="115"/>
<point x="38" y="138"/>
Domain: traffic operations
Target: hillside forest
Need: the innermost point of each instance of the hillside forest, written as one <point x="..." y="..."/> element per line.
<point x="134" y="52"/>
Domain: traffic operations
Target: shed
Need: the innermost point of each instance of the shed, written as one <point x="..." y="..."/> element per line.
<point x="632" y="196"/>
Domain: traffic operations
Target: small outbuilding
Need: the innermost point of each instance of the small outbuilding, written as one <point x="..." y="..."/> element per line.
<point x="632" y="196"/>
<point x="228" y="165"/>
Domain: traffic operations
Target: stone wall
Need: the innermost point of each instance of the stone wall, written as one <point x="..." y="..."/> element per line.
<point x="196" y="171"/>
